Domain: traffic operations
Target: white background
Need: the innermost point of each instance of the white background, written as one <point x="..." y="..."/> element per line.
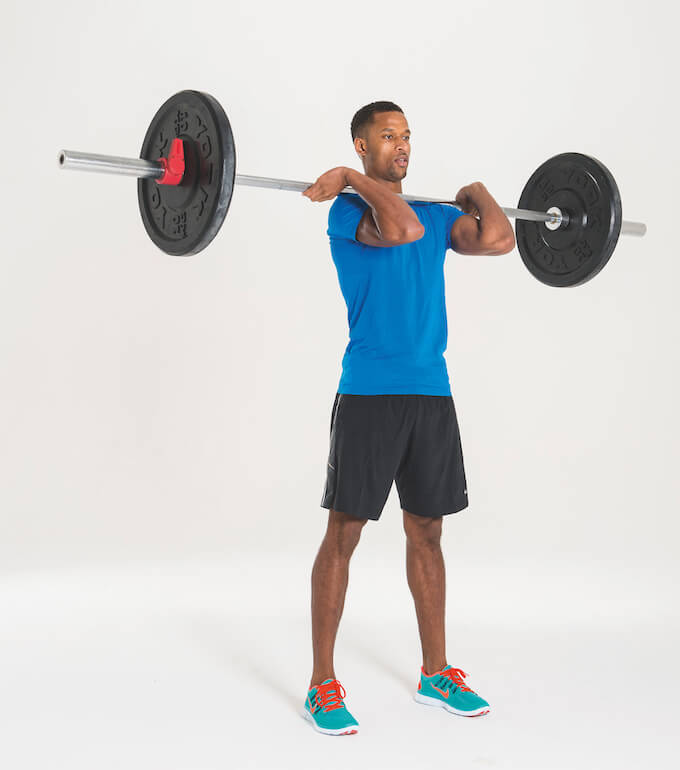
<point x="164" y="421"/>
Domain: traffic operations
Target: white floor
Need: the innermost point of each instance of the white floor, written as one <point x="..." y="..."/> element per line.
<point x="200" y="666"/>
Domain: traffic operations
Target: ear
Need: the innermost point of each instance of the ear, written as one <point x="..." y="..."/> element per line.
<point x="360" y="146"/>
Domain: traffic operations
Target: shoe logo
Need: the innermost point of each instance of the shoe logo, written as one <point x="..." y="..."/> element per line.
<point x="444" y="693"/>
<point x="313" y="705"/>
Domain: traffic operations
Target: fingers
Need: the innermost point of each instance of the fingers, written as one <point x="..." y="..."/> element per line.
<point x="465" y="201"/>
<point x="327" y="186"/>
<point x="317" y="193"/>
<point x="462" y="201"/>
<point x="312" y="192"/>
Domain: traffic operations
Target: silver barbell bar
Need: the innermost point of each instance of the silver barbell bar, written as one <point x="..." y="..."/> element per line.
<point x="150" y="169"/>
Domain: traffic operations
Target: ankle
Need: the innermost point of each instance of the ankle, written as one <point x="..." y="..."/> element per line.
<point x="431" y="667"/>
<point x="317" y="678"/>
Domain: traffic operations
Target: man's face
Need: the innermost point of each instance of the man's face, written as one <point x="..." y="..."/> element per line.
<point x="386" y="149"/>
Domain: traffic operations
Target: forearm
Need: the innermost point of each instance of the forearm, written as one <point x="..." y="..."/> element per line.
<point x="494" y="226"/>
<point x="393" y="217"/>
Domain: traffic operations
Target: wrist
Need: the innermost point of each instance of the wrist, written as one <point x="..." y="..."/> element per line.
<point x="350" y="174"/>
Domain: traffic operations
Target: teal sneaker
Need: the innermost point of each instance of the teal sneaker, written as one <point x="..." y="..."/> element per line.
<point x="325" y="709"/>
<point x="447" y="690"/>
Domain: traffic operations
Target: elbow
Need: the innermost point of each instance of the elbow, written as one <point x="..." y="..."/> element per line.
<point x="408" y="235"/>
<point x="414" y="233"/>
<point x="500" y="245"/>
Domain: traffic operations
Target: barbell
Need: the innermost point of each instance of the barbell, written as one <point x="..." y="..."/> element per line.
<point x="567" y="223"/>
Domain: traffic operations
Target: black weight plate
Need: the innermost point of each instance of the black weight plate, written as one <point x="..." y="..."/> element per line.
<point x="584" y="189"/>
<point x="183" y="219"/>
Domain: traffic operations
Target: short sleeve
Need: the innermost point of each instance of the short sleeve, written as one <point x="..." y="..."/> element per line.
<point x="449" y="215"/>
<point x="344" y="216"/>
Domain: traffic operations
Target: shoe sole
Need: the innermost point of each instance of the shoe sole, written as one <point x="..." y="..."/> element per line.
<point x="328" y="731"/>
<point x="426" y="700"/>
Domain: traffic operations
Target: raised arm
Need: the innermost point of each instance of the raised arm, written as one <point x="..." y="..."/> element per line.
<point x="389" y="220"/>
<point x="491" y="234"/>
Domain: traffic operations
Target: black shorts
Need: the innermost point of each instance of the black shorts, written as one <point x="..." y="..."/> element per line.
<point x="412" y="439"/>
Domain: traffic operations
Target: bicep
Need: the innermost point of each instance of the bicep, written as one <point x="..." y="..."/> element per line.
<point x="368" y="233"/>
<point x="465" y="235"/>
<point x="466" y="238"/>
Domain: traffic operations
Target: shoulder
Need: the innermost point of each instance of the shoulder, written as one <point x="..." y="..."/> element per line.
<point x="442" y="218"/>
<point x="447" y="211"/>
<point x="348" y="201"/>
<point x="344" y="216"/>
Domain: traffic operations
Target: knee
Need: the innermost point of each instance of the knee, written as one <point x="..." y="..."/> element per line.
<point x="343" y="532"/>
<point x="422" y="531"/>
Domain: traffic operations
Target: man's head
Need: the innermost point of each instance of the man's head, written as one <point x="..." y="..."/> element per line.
<point x="382" y="140"/>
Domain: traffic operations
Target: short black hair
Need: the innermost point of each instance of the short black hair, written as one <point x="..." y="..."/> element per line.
<point x="364" y="116"/>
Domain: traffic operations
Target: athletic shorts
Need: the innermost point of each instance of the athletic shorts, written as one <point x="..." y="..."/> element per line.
<point x="411" y="439"/>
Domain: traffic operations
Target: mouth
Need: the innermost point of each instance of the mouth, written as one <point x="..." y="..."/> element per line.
<point x="402" y="162"/>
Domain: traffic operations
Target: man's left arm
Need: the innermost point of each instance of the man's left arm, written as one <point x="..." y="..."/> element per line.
<point x="487" y="231"/>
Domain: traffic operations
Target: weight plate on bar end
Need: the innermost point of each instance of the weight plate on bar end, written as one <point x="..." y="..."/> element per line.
<point x="183" y="219"/>
<point x="581" y="187"/>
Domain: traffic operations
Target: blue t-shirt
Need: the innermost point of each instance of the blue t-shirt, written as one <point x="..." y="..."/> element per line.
<point x="396" y="307"/>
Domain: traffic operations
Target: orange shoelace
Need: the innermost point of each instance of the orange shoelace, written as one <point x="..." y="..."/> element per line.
<point x="328" y="696"/>
<point x="456" y="675"/>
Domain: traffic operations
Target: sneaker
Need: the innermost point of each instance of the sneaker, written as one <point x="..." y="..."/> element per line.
<point x="447" y="690"/>
<point x="325" y="709"/>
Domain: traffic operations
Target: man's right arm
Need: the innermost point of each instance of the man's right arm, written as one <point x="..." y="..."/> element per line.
<point x="389" y="220"/>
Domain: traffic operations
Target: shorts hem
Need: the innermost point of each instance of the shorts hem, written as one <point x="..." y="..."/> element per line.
<point x="349" y="513"/>
<point x="457" y="508"/>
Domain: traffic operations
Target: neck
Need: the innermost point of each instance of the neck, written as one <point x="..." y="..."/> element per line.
<point x="394" y="186"/>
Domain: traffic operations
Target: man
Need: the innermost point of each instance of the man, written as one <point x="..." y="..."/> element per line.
<point x="393" y="418"/>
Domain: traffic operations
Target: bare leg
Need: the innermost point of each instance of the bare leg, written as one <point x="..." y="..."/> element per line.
<point x="330" y="575"/>
<point x="426" y="577"/>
